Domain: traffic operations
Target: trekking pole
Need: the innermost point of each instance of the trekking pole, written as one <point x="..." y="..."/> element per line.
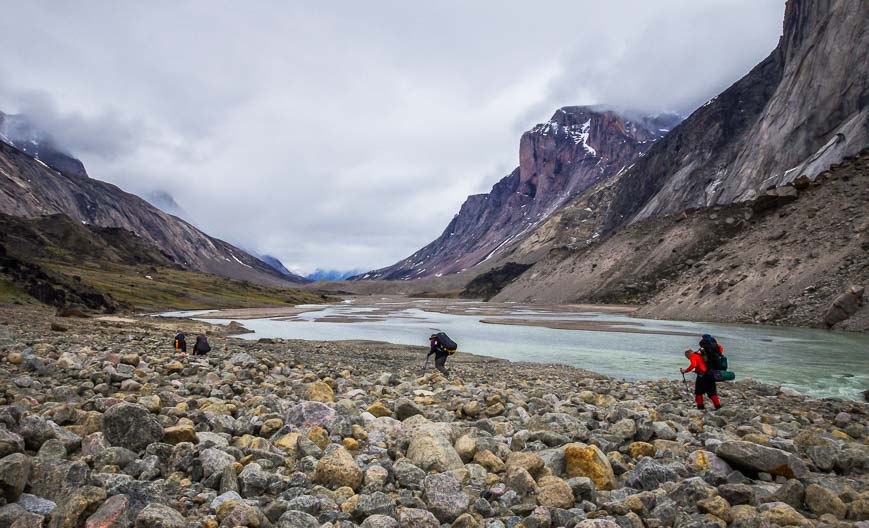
<point x="686" y="384"/>
<point x="425" y="366"/>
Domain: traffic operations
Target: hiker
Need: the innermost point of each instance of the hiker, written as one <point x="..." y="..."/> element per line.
<point x="442" y="347"/>
<point x="705" y="383"/>
<point x="201" y="347"/>
<point x="180" y="342"/>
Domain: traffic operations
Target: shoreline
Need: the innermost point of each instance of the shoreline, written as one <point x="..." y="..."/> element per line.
<point x="281" y="432"/>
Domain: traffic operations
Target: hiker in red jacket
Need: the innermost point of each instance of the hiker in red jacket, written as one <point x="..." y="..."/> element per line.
<point x="705" y="383"/>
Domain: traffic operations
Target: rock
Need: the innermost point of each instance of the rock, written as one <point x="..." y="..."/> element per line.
<point x="377" y="503"/>
<point x="581" y="460"/>
<point x="77" y="506"/>
<point x="405" y="408"/>
<point x="417" y="518"/>
<point x="310" y="414"/>
<point x="378" y="409"/>
<point x="716" y="506"/>
<point x="180" y="433"/>
<point x="297" y="519"/>
<point x="131" y="426"/>
<point x="36" y="505"/>
<point x="641" y="449"/>
<point x="781" y="514"/>
<point x="214" y="461"/>
<point x="821" y="500"/>
<point x="754" y="457"/>
<point x="113" y="513"/>
<point x="238" y="513"/>
<point x="844" y="306"/>
<point x="407" y="474"/>
<point x="156" y="515"/>
<point x="10" y="443"/>
<point x="380" y="521"/>
<point x="444" y="497"/>
<point x="319" y="392"/>
<point x="466" y="447"/>
<point x="554" y="492"/>
<point x="792" y="493"/>
<point x="530" y="462"/>
<point x="337" y="469"/>
<point x="519" y="480"/>
<point x="253" y="481"/>
<point x="243" y="359"/>
<point x="648" y="475"/>
<point x="433" y="452"/>
<point x="28" y="520"/>
<point x="14" y="474"/>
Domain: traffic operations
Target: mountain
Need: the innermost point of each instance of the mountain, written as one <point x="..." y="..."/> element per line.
<point x="17" y="131"/>
<point x="685" y="229"/>
<point x="165" y="202"/>
<point x="577" y="148"/>
<point x="332" y="275"/>
<point x="31" y="187"/>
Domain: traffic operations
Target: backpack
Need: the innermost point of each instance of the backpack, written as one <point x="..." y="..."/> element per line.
<point x="179" y="341"/>
<point x="445" y="343"/>
<point x="202" y="345"/>
<point x="716" y="361"/>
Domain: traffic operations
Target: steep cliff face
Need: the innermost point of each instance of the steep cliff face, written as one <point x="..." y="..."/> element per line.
<point x="29" y="187"/>
<point x="798" y="112"/>
<point x="576" y="148"/>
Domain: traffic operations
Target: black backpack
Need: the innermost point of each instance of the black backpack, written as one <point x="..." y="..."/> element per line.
<point x="445" y="343"/>
<point x="713" y="353"/>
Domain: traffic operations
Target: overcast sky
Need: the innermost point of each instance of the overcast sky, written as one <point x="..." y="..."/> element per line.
<point x="346" y="134"/>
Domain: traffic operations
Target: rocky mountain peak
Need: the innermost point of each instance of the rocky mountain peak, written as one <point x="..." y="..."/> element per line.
<point x="578" y="147"/>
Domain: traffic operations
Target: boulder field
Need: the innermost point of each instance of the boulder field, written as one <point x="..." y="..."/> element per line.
<point x="103" y="425"/>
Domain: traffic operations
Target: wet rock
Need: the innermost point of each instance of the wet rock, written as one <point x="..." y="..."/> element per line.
<point x="132" y="426"/>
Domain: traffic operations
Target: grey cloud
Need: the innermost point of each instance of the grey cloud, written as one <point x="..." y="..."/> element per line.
<point x="346" y="134"/>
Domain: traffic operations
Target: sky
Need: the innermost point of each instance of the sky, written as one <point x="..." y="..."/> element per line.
<point x="346" y="134"/>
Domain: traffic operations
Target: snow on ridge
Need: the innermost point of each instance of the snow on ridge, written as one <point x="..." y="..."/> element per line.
<point x="240" y="262"/>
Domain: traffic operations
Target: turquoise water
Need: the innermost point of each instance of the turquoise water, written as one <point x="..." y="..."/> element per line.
<point x="815" y="362"/>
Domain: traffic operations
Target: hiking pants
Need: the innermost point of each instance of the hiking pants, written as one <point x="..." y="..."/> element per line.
<point x="440" y="364"/>
<point x="705" y="384"/>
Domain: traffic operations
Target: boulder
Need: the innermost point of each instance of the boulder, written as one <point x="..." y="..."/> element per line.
<point x="648" y="475"/>
<point x="821" y="500"/>
<point x="77" y="506"/>
<point x="310" y="414"/>
<point x="582" y="460"/>
<point x="157" y="515"/>
<point x="14" y="474"/>
<point x="433" y="452"/>
<point x="554" y="492"/>
<point x="753" y="457"/>
<point x="337" y="469"/>
<point x="844" y="306"/>
<point x="132" y="426"/>
<point x="113" y="513"/>
<point x="444" y="497"/>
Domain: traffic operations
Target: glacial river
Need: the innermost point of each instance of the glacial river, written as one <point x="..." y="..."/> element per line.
<point x="815" y="362"/>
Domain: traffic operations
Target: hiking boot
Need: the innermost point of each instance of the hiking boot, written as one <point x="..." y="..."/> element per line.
<point x="701" y="407"/>
<point x="717" y="407"/>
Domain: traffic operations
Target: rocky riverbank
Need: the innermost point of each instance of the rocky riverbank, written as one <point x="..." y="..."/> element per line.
<point x="103" y="425"/>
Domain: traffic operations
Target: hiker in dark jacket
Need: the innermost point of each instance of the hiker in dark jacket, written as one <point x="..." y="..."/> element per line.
<point x="201" y="347"/>
<point x="180" y="342"/>
<point x="440" y="354"/>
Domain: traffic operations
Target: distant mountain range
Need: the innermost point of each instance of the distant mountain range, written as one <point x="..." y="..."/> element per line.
<point x="37" y="178"/>
<point x="332" y="275"/>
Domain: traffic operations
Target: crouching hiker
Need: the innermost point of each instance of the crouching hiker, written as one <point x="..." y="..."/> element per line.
<point x="201" y="347"/>
<point x="705" y="383"/>
<point x="180" y="342"/>
<point x="442" y="347"/>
